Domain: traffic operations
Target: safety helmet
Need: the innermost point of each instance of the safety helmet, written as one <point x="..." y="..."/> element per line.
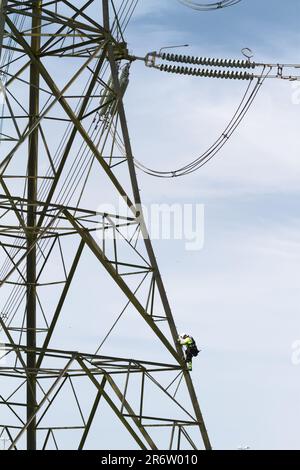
<point x="183" y="335"/>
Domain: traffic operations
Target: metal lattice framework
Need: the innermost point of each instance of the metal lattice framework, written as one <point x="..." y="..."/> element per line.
<point x="64" y="145"/>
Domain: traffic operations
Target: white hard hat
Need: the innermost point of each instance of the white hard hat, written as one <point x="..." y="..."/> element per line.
<point x="182" y="335"/>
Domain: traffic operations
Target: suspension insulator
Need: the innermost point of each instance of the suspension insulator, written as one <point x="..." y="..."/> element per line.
<point x="230" y="63"/>
<point x="210" y="73"/>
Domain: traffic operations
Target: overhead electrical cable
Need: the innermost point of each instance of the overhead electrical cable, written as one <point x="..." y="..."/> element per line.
<point x="243" y="108"/>
<point x="195" y="5"/>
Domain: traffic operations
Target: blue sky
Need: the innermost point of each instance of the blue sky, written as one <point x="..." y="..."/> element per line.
<point x="239" y="296"/>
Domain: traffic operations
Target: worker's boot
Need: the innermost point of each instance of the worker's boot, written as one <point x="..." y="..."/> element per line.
<point x="189" y="365"/>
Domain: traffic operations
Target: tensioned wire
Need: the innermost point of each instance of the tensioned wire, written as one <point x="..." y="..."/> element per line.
<point x="243" y="108"/>
<point x="196" y="5"/>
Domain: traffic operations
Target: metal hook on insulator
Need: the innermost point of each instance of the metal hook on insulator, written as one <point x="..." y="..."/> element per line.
<point x="248" y="53"/>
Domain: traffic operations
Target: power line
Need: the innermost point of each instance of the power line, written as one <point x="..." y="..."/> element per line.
<point x="240" y="113"/>
<point x="200" y="6"/>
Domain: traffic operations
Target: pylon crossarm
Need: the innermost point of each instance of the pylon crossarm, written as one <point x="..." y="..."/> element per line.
<point x="105" y="373"/>
<point x="97" y="363"/>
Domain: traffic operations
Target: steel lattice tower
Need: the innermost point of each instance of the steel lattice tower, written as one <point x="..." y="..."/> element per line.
<point x="64" y="145"/>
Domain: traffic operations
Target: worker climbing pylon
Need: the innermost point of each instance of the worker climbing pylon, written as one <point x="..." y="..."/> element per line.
<point x="191" y="349"/>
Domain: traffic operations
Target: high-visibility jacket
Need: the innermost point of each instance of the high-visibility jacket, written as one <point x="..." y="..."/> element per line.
<point x="188" y="341"/>
<point x="190" y="345"/>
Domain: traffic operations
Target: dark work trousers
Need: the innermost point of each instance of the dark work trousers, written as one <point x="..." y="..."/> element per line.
<point x="188" y="355"/>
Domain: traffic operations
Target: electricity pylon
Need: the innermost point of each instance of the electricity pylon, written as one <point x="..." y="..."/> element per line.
<point x="65" y="149"/>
